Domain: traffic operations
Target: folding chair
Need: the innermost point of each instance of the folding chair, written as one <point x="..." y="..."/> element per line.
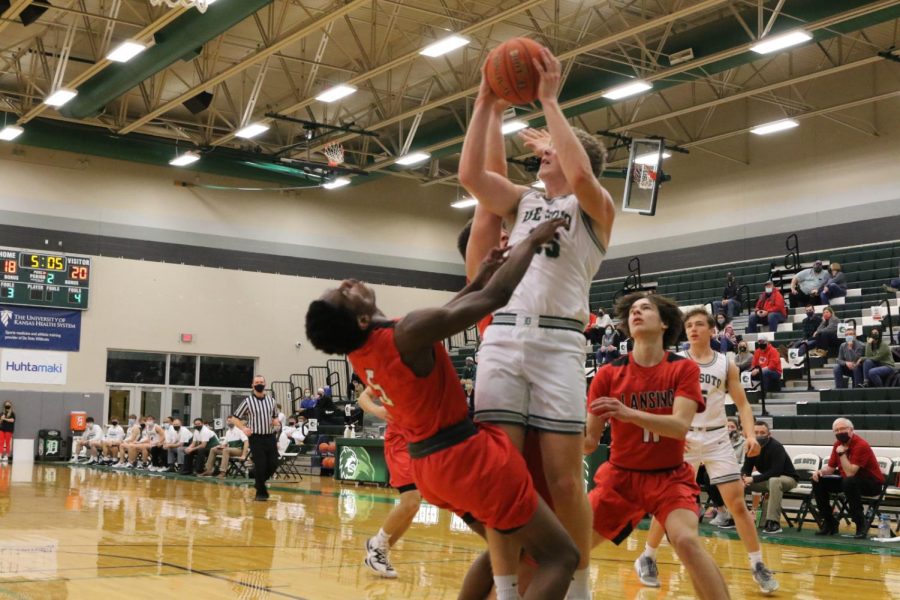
<point x="805" y="465"/>
<point x="237" y="466"/>
<point x="870" y="503"/>
<point x="287" y="469"/>
<point x="891" y="500"/>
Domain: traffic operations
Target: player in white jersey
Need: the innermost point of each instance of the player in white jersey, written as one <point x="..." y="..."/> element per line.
<point x="708" y="444"/>
<point x="531" y="362"/>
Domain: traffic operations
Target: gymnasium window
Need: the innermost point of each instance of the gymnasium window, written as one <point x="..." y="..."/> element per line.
<point x="226" y="372"/>
<point x="182" y="370"/>
<point x="135" y="367"/>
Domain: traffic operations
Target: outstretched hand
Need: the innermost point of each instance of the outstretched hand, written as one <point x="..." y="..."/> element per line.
<point x="546" y="231"/>
<point x="550" y="73"/>
<point x="536" y="140"/>
<point x="493" y="261"/>
<point x="486" y="92"/>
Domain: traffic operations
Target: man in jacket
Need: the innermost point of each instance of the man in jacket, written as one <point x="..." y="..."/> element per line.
<point x="769" y="309"/>
<point x="766" y="365"/>
<point x="775" y="474"/>
<point x="730" y="304"/>
<point x="849" y="362"/>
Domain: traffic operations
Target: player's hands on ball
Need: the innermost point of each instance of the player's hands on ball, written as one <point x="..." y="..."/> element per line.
<point x="610" y="408"/>
<point x="486" y="93"/>
<point x="550" y="73"/>
<point x="536" y="140"/>
<point x="545" y="232"/>
<point x="751" y="447"/>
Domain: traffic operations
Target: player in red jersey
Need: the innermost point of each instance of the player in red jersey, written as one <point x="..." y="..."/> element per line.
<point x="649" y="397"/>
<point x="456" y="464"/>
<point x="401" y="516"/>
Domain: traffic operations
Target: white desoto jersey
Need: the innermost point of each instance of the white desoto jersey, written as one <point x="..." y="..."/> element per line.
<point x="559" y="278"/>
<point x="713" y="384"/>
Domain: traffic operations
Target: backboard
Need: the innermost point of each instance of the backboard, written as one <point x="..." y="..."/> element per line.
<point x="643" y="176"/>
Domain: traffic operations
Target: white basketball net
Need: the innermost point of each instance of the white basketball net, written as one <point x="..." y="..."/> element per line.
<point x="334" y="153"/>
<point x="200" y="4"/>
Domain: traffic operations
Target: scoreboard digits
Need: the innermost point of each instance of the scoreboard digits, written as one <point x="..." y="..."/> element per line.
<point x="44" y="279"/>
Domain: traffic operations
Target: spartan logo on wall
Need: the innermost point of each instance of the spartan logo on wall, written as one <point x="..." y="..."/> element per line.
<point x="6" y="317"/>
<point x="355" y="463"/>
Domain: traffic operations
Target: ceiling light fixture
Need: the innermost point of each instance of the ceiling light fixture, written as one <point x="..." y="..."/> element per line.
<point x="650" y="158"/>
<point x="10" y="132"/>
<point x="780" y="42"/>
<point x="337" y="183"/>
<point x="513" y="126"/>
<point x="441" y="47"/>
<point x="251" y="130"/>
<point x="464" y="203"/>
<point x="774" y="126"/>
<point x="413" y="158"/>
<point x="126" y="51"/>
<point x="183" y="160"/>
<point x="335" y="93"/>
<point x="60" y="97"/>
<point x="628" y="89"/>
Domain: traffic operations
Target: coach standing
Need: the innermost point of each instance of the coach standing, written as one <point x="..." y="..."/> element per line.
<point x="259" y="420"/>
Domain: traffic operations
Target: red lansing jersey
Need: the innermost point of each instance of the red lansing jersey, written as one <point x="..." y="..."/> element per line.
<point x="650" y="389"/>
<point x="420" y="406"/>
<point x="483" y="324"/>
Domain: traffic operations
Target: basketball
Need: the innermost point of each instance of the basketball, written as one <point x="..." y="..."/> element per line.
<point x="328" y="462"/>
<point x="324" y="447"/>
<point x="332" y="447"/>
<point x="510" y="71"/>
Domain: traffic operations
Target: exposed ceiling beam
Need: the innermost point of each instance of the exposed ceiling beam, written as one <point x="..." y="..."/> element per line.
<point x="298" y="33"/>
<point x="14" y="10"/>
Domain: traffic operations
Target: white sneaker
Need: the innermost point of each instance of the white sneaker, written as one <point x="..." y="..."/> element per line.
<point x="377" y="560"/>
<point x="92" y="460"/>
<point x="647" y="571"/>
<point x="764" y="578"/>
<point x="720" y="519"/>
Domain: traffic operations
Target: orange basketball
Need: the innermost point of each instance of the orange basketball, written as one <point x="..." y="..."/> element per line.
<point x="328" y="462"/>
<point x="332" y="447"/>
<point x="510" y="71"/>
<point x="323" y="447"/>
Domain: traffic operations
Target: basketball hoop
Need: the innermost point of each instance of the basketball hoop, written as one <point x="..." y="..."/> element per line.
<point x="201" y="5"/>
<point x="334" y="153"/>
<point x="644" y="176"/>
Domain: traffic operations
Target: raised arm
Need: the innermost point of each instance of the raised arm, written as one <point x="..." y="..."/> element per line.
<point x="366" y="402"/>
<point x="493" y="190"/>
<point x="576" y="166"/>
<point x="418" y="330"/>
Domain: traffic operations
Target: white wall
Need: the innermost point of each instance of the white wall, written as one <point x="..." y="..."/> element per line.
<point x="138" y="305"/>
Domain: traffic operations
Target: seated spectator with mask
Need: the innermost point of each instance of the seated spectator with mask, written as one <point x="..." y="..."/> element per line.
<point x="723" y="340"/>
<point x="775" y="474"/>
<point x="858" y="474"/>
<point x="766" y="365"/>
<point x="825" y="339"/>
<point x="835" y="287"/>
<point x="769" y="309"/>
<point x="744" y="358"/>
<point x="849" y="362"/>
<point x="110" y="443"/>
<point x="178" y="438"/>
<point x="894" y="286"/>
<point x="308" y="405"/>
<point x="879" y="362"/>
<point x="810" y="325"/>
<point x="807" y="284"/>
<point x="89" y="441"/>
<point x="609" y="346"/>
<point x="195" y="455"/>
<point x="236" y="443"/>
<point x="730" y="304"/>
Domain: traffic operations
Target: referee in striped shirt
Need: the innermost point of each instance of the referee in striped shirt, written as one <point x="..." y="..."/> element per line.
<point x="259" y="421"/>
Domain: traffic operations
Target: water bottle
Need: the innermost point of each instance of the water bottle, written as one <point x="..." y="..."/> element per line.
<point x="346" y="431"/>
<point x="884" y="526"/>
<point x="353" y="431"/>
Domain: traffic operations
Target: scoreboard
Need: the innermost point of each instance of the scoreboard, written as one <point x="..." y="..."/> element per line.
<point x="51" y="280"/>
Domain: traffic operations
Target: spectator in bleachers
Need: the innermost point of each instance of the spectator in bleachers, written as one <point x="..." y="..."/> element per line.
<point x="775" y="474"/>
<point x="879" y="362"/>
<point x="609" y="346"/>
<point x="597" y="325"/>
<point x="730" y="304"/>
<point x="825" y="339"/>
<point x="308" y="405"/>
<point x="281" y="417"/>
<point x="743" y="359"/>
<point x="769" y="309"/>
<point x="766" y="365"/>
<point x="723" y="340"/>
<point x="810" y="325"/>
<point x="894" y="285"/>
<point x="806" y="285"/>
<point x="860" y="475"/>
<point x="236" y="443"/>
<point x="849" y="362"/>
<point x="469" y="373"/>
<point x="92" y="433"/>
<point x="177" y="439"/>
<point x="835" y="287"/>
<point x="325" y="409"/>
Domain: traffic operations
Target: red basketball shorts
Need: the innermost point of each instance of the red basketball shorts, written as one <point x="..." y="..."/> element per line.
<point x="622" y="497"/>
<point x="535" y="461"/>
<point x="484" y="476"/>
<point x="396" y="455"/>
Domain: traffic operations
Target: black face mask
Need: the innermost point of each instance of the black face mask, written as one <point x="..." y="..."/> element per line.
<point x="115" y="423"/>
<point x="763" y="440"/>
<point x="8" y="406"/>
<point x="762" y="345"/>
<point x="842" y="437"/>
<point x="292" y="424"/>
<point x="259" y="387"/>
<point x="198" y="427"/>
<point x="177" y="427"/>
<point x="143" y="425"/>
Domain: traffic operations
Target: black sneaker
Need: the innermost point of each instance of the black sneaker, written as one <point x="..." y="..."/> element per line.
<point x="772" y="527"/>
<point x="828" y="528"/>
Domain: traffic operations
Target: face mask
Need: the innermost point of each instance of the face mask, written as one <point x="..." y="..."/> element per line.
<point x="850" y="338"/>
<point x="130" y="422"/>
<point x="768" y="290"/>
<point x="177" y="427"/>
<point x="733" y="434"/>
<point x="198" y="427"/>
<point x="259" y="387"/>
<point x="763" y="440"/>
<point x="292" y="424"/>
<point x="762" y="345"/>
<point x="842" y="437"/>
<point x="115" y="423"/>
<point x="743" y="348"/>
<point x="151" y="423"/>
<point x="231" y="426"/>
<point x="720" y="321"/>
<point x="143" y="425"/>
<point x="8" y="406"/>
<point x="608" y="332"/>
<point x="166" y="426"/>
<point x="876" y="335"/>
<point x="810" y="313"/>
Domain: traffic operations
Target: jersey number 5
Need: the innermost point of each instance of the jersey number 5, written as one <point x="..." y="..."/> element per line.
<point x="370" y="375"/>
<point x="550" y="249"/>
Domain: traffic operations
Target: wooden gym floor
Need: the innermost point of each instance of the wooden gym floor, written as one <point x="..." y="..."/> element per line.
<point x="88" y="533"/>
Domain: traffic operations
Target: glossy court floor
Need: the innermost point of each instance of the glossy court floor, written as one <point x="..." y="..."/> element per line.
<point x="86" y="533"/>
